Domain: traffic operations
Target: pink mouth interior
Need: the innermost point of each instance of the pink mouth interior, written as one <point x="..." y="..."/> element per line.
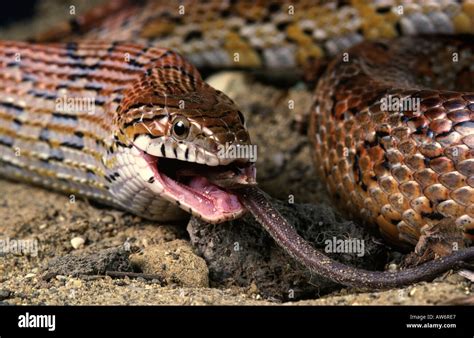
<point x="207" y="200"/>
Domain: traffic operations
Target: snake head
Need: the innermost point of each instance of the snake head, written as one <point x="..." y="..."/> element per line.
<point x="193" y="140"/>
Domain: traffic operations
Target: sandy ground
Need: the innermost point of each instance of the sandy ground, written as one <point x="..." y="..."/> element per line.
<point x="195" y="263"/>
<point x="50" y="218"/>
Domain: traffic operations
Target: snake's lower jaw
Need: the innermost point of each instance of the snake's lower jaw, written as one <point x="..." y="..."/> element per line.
<point x="202" y="190"/>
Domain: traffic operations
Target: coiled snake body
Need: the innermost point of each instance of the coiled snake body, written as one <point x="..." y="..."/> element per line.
<point x="145" y="131"/>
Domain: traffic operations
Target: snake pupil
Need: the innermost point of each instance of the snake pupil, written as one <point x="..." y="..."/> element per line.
<point x="180" y="128"/>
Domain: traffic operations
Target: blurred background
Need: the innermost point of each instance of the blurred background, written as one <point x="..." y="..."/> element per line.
<point x="21" y="19"/>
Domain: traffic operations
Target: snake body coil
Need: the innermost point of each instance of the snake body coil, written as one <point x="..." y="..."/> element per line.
<point x="394" y="139"/>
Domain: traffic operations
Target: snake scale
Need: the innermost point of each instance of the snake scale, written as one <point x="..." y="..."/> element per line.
<point x="105" y="107"/>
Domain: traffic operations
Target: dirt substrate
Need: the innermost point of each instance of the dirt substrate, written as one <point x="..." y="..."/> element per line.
<point x="81" y="244"/>
<point x="259" y="273"/>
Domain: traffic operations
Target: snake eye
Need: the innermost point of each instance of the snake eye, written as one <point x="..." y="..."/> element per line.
<point x="180" y="127"/>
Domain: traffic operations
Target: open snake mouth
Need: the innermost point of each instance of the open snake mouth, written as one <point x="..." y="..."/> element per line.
<point x="202" y="189"/>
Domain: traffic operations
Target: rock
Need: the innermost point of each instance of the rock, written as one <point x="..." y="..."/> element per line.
<point x="79" y="226"/>
<point x="392" y="267"/>
<point x="459" y="277"/>
<point x="77" y="242"/>
<point x="241" y="253"/>
<point x="228" y="82"/>
<point x="108" y="219"/>
<point x="113" y="259"/>
<point x="175" y="261"/>
<point x="74" y="283"/>
<point x="5" y="294"/>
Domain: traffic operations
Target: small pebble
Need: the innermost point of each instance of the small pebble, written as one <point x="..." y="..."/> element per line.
<point x="30" y="275"/>
<point x="77" y="283"/>
<point x="77" y="242"/>
<point x="412" y="292"/>
<point x="465" y="274"/>
<point x="392" y="267"/>
<point x="74" y="283"/>
<point x="253" y="289"/>
<point x="5" y="294"/>
<point x="108" y="219"/>
<point x="278" y="160"/>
